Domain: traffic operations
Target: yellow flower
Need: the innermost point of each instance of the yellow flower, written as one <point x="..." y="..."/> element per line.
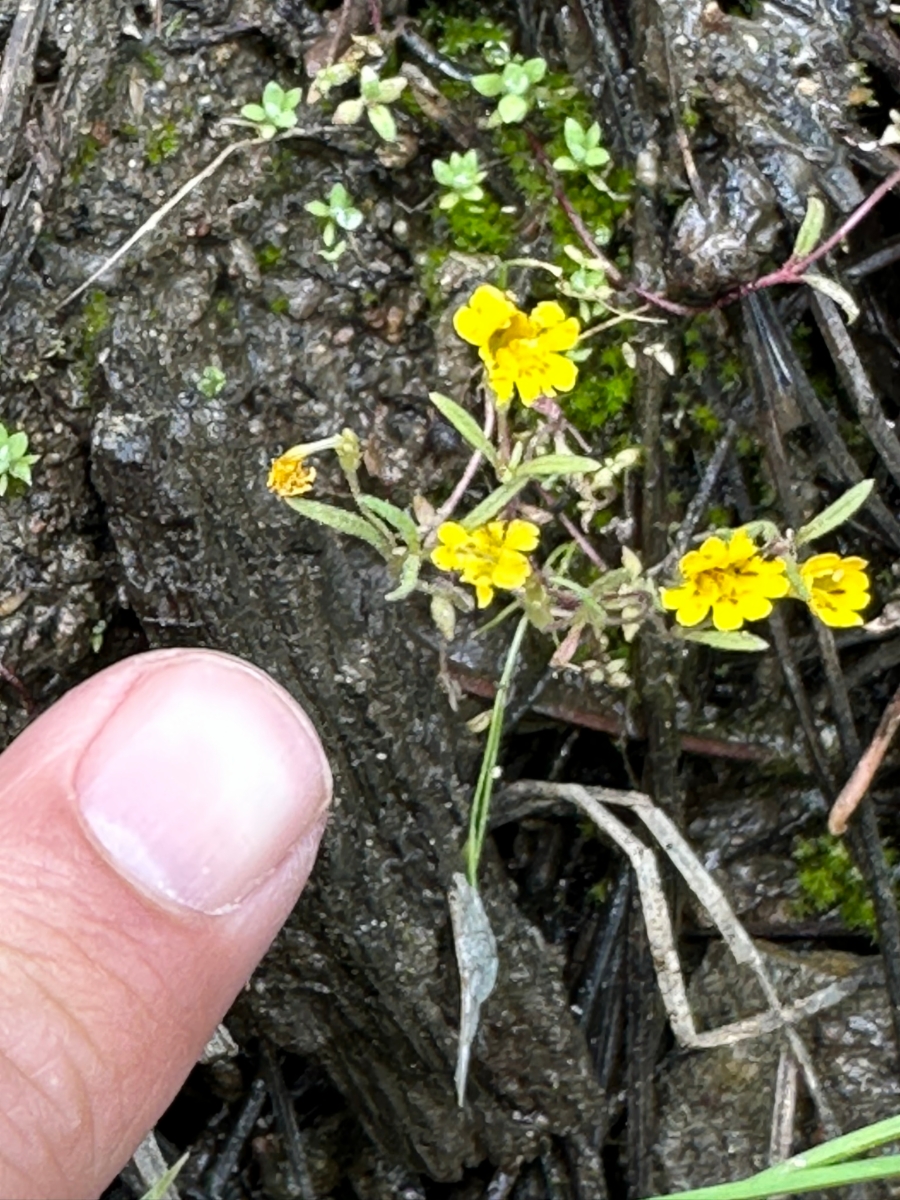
<point x="491" y="556"/>
<point x="520" y="352"/>
<point x="731" y="579"/>
<point x="288" y="476"/>
<point x="838" y="588"/>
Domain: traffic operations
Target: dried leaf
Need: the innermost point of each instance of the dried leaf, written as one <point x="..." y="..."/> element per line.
<point x="834" y="291"/>
<point x="476" y="954"/>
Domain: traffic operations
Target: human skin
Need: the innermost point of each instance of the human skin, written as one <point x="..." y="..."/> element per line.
<point x="157" y="826"/>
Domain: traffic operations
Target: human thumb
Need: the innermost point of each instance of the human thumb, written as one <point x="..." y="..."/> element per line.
<point x="156" y="828"/>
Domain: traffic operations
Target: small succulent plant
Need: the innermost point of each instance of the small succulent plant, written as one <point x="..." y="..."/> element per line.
<point x="277" y="111"/>
<point x="375" y="95"/>
<point x="461" y="176"/>
<point x="337" y="213"/>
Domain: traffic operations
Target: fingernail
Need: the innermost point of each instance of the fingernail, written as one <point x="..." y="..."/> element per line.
<point x="203" y="781"/>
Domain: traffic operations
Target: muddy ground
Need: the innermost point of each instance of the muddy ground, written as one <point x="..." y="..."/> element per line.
<point x="149" y="525"/>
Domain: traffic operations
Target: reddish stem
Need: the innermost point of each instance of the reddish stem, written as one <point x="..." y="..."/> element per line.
<point x="790" y="272"/>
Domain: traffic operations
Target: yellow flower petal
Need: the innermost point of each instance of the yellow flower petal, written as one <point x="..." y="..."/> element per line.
<point x="511" y="570"/>
<point x="522" y="535"/>
<point x="547" y="314"/>
<point x="484" y="593"/>
<point x="562" y="373"/>
<point x="453" y="534"/>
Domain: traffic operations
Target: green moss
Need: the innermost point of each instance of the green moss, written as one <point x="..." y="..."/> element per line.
<point x="86" y="156"/>
<point x="476" y="228"/>
<point x="151" y="65"/>
<point x="162" y="143"/>
<point x="268" y="256"/>
<point x="690" y="118"/>
<point x="704" y="418"/>
<point x="604" y="388"/>
<point x="96" y="319"/>
<point x="828" y="880"/>
<point x="279" y="305"/>
<point x="458" y="33"/>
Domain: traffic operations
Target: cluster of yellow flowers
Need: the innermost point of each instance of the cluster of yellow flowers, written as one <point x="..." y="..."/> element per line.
<point x="491" y="556"/>
<point x="732" y="581"/>
<point x="520" y="351"/>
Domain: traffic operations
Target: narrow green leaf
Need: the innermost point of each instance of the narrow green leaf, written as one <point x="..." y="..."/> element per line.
<point x="464" y="424"/>
<point x="492" y="504"/>
<point x="557" y="464"/>
<point x="253" y="112"/>
<point x="164" y="1182"/>
<point x="723" y="640"/>
<point x="409" y="577"/>
<point x="849" y="1145"/>
<point x="834" y="291"/>
<point x="811" y="230"/>
<point x="781" y="1181"/>
<point x="836" y="514"/>
<point x="342" y="521"/>
<point x="396" y="517"/>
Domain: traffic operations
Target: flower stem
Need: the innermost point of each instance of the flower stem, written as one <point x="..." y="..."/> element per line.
<point x="449" y="506"/>
<point x="481" y="801"/>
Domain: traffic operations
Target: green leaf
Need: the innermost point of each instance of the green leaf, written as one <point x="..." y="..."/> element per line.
<point x="557" y="464"/>
<point x="512" y="109"/>
<point x="836" y="514"/>
<point x="343" y="521"/>
<point x="254" y="112"/>
<point x="834" y="291"/>
<point x="597" y="157"/>
<point x="389" y="89"/>
<point x="787" y="1180"/>
<point x="535" y="69"/>
<point x="348" y="112"/>
<point x="723" y="640"/>
<point x="396" y="517"/>
<point x="811" y="230"/>
<point x="382" y="121"/>
<point x="488" y="85"/>
<point x="18" y="444"/>
<point x="293" y="98"/>
<point x="491" y="505"/>
<point x="273" y="94"/>
<point x="564" y="163"/>
<point x="464" y="424"/>
<point x="164" y="1182"/>
<point x="795" y="579"/>
<point x="409" y="577"/>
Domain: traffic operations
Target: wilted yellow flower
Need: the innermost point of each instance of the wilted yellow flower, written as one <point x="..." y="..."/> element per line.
<point x="838" y="588"/>
<point x="731" y="579"/>
<point x="491" y="556"/>
<point x="520" y="351"/>
<point x="288" y="476"/>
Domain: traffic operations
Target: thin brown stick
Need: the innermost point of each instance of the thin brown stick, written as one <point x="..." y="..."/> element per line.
<point x="864" y="772"/>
